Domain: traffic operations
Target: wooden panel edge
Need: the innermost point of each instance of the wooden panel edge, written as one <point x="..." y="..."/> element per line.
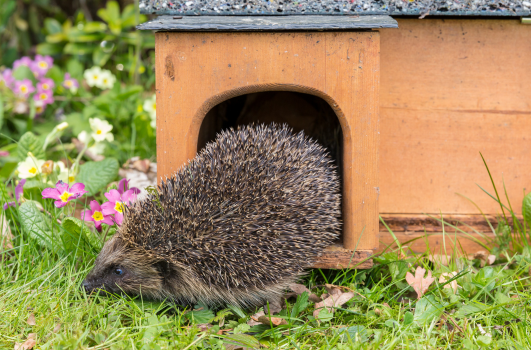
<point x="337" y="257"/>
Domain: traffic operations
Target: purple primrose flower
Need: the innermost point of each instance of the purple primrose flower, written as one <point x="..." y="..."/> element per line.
<point x="18" y="192"/>
<point x="64" y="194"/>
<point x="96" y="215"/>
<point x="41" y="65"/>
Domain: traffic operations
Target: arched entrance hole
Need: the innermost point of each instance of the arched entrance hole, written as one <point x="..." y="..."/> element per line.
<point x="302" y="112"/>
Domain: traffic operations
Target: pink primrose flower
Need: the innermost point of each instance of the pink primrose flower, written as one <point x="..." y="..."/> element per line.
<point x="24" y="61"/>
<point x="96" y="215"/>
<point x="18" y="192"/>
<point x="123" y="186"/>
<point x="63" y="193"/>
<point x="4" y="154"/>
<point x="46" y="96"/>
<point x="7" y="78"/>
<point x="23" y="87"/>
<point x="115" y="205"/>
<point x="70" y="83"/>
<point x="45" y="84"/>
<point x="41" y="65"/>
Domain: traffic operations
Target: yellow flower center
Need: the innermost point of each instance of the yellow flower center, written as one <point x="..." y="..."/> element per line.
<point x="119" y="207"/>
<point x="43" y="64"/>
<point x="97" y="216"/>
<point x="68" y="83"/>
<point x="71" y="178"/>
<point x="33" y="170"/>
<point x="154" y="106"/>
<point x="98" y="132"/>
<point x="105" y="81"/>
<point x="23" y="88"/>
<point x="139" y="109"/>
<point x="95" y="76"/>
<point x="64" y="197"/>
<point x="39" y="109"/>
<point x="43" y="96"/>
<point x="45" y="86"/>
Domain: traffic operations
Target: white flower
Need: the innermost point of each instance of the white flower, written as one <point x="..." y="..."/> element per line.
<point x="30" y="167"/>
<point x="107" y="80"/>
<point x="97" y="148"/>
<point x="101" y="130"/>
<point x="150" y="106"/>
<point x="93" y="76"/>
<point x="65" y="174"/>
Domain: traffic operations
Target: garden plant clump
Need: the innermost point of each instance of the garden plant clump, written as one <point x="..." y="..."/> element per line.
<point x="76" y="104"/>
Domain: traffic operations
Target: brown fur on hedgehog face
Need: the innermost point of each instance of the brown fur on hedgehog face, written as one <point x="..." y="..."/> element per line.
<point x="121" y="268"/>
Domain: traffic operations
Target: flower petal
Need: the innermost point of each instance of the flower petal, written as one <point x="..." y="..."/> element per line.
<point x="19" y="189"/>
<point x="123" y="185"/>
<point x="108" y="208"/>
<point x="95" y="206"/>
<point x="78" y="189"/>
<point x="61" y="186"/>
<point x="107" y="220"/>
<point x="129" y="196"/>
<point x="60" y="204"/>
<point x="9" y="204"/>
<point x="113" y="196"/>
<point x="119" y="218"/>
<point x="51" y="193"/>
<point x="98" y="225"/>
<point x="86" y="215"/>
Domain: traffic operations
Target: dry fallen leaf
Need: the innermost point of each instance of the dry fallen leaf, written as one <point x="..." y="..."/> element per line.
<point x="57" y="328"/>
<point x="6" y="238"/>
<point x="299" y="289"/>
<point x="440" y="259"/>
<point x="336" y="300"/>
<point x="31" y="320"/>
<point x="332" y="290"/>
<point x="275" y="321"/>
<point x="491" y="259"/>
<point x="485" y="258"/>
<point x="203" y="327"/>
<point x="28" y="344"/>
<point x="418" y="282"/>
<point x="254" y="319"/>
<point x="448" y="276"/>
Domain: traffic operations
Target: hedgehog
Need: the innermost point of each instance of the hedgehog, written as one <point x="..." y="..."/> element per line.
<point x="236" y="225"/>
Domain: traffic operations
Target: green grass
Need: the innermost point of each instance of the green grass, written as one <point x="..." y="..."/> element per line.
<point x="384" y="314"/>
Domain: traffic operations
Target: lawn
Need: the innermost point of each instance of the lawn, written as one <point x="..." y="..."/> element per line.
<point x="77" y="106"/>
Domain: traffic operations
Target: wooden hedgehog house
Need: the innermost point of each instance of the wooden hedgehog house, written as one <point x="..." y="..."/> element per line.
<point x="405" y="144"/>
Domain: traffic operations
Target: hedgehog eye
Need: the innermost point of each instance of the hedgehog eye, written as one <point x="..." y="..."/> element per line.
<point x="118" y="271"/>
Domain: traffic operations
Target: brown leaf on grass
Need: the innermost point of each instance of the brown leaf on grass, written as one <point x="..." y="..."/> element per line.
<point x="299" y="289"/>
<point x="445" y="277"/>
<point x="333" y="290"/>
<point x="203" y="327"/>
<point x="31" y="320"/>
<point x="221" y="331"/>
<point x="254" y="319"/>
<point x="28" y="344"/>
<point x="57" y="328"/>
<point x="6" y="238"/>
<point x="484" y="258"/>
<point x="418" y="282"/>
<point x="275" y="321"/>
<point x="142" y="165"/>
<point x="440" y="259"/>
<point x="336" y="300"/>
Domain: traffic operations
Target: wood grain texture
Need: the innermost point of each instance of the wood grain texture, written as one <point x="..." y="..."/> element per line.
<point x="449" y="90"/>
<point x="337" y="257"/>
<point x="196" y="71"/>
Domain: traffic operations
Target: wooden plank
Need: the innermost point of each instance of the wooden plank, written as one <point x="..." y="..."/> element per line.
<point x="337" y="257"/>
<point x="452" y="88"/>
<point x="196" y="71"/>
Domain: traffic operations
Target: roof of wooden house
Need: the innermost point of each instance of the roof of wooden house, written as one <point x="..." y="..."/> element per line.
<point x="421" y="8"/>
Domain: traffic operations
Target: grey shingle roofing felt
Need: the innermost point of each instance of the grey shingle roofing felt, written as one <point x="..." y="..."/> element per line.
<point x="338" y="7"/>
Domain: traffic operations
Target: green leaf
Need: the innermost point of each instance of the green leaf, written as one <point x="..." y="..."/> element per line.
<point x="75" y="68"/>
<point x="241" y="328"/>
<point x="99" y="57"/>
<point x="4" y="196"/>
<point x="35" y="224"/>
<point x="129" y="16"/>
<point x="469" y="309"/>
<point x="129" y="91"/>
<point x="79" y="49"/>
<point x="7" y="169"/>
<point x="526" y="208"/>
<point x="52" y="26"/>
<point x="76" y="235"/>
<point x="94" y="27"/>
<point x="356" y="333"/>
<point x="408" y="318"/>
<point x="484" y="340"/>
<point x="77" y="122"/>
<point x="30" y="143"/>
<point x="325" y="315"/>
<point x="79" y="36"/>
<point x="97" y="175"/>
<point x="23" y="72"/>
<point x="300" y="305"/>
<point x="49" y="49"/>
<point x="201" y="316"/>
<point x="238" y="341"/>
<point x="31" y="184"/>
<point x="427" y="309"/>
